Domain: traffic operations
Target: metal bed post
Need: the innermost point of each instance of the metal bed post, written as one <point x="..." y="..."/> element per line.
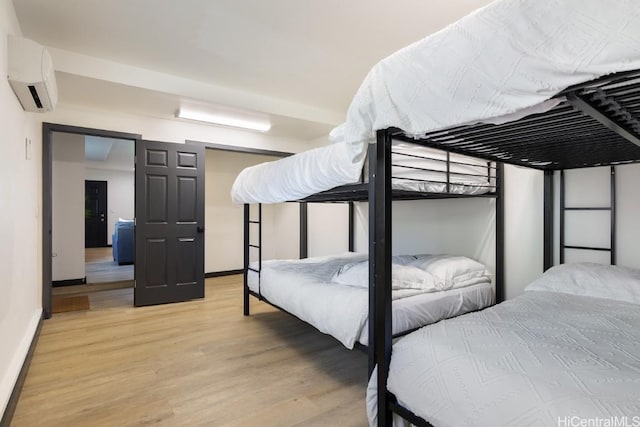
<point x="562" y="212"/>
<point x="449" y="172"/>
<point x="380" y="269"/>
<point x="259" y="247"/>
<point x="613" y="215"/>
<point x="246" y="259"/>
<point x="548" y="219"/>
<point x="304" y="247"/>
<point x="500" y="288"/>
<point x="352" y="234"/>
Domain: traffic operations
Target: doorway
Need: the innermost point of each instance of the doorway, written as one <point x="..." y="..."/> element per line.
<point x="89" y="227"/>
<point x="95" y="214"/>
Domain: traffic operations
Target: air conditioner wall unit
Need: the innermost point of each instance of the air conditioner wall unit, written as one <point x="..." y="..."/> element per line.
<point x="31" y="75"/>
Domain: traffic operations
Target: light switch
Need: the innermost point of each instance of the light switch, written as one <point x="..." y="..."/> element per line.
<point x="27" y="148"/>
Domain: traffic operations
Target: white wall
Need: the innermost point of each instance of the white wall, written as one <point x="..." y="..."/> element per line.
<point x="281" y="231"/>
<point x="120" y="194"/>
<point x="628" y="212"/>
<point x="454" y="226"/>
<point x="68" y="206"/>
<point x="524" y="226"/>
<point x="328" y="228"/>
<point x="20" y="222"/>
<point x="167" y="130"/>
<point x="224" y="233"/>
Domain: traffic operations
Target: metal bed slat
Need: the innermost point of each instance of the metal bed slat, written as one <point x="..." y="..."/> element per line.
<point x="506" y="132"/>
<point x="588" y="248"/>
<point x="516" y="138"/>
<point x="453" y="162"/>
<point x="484" y="175"/>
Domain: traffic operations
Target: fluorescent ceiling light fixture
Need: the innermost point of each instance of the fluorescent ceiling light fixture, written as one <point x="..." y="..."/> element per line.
<point x="261" y="125"/>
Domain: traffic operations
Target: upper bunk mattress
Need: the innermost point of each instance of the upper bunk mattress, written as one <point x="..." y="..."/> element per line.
<point x="498" y="64"/>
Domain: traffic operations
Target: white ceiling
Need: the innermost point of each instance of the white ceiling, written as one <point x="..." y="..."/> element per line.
<point x="109" y="153"/>
<point x="314" y="53"/>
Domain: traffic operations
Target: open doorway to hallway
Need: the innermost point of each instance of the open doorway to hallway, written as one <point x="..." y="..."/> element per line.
<point x="93" y="187"/>
<point x="92" y="207"/>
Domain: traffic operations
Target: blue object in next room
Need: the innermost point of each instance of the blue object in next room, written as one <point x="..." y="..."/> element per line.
<point x="123" y="247"/>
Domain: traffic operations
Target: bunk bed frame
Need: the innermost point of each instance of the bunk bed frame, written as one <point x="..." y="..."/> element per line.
<point x="369" y="192"/>
<point x="595" y="124"/>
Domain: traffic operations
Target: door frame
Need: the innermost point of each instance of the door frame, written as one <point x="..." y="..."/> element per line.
<point x="47" y="196"/>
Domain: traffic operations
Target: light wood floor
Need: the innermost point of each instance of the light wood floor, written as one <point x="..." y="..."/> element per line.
<point x="101" y="268"/>
<point x="198" y="363"/>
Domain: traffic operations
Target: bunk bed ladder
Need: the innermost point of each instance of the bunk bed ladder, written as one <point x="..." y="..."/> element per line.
<point x="611" y="209"/>
<point x="248" y="246"/>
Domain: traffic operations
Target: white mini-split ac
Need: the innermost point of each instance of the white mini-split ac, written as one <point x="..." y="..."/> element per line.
<point x="31" y="75"/>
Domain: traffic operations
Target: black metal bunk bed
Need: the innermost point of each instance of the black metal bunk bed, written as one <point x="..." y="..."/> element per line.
<point x="366" y="191"/>
<point x="595" y="124"/>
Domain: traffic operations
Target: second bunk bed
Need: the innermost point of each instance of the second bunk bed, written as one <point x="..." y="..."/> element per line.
<point x="332" y="292"/>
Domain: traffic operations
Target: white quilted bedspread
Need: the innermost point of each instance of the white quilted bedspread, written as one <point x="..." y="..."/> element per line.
<point x="527" y="362"/>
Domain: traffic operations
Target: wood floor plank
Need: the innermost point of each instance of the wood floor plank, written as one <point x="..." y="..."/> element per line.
<point x="197" y="363"/>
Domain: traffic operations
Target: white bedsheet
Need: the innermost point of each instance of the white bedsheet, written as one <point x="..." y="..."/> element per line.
<point x="529" y="361"/>
<point x="304" y="288"/>
<point x="498" y="64"/>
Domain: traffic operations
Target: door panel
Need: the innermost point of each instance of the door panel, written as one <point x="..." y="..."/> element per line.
<point x="95" y="218"/>
<point x="169" y="222"/>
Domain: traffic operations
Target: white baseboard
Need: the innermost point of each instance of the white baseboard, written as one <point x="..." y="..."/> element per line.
<point x="12" y="371"/>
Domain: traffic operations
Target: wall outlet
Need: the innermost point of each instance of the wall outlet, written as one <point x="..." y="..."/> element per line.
<point x="27" y="148"/>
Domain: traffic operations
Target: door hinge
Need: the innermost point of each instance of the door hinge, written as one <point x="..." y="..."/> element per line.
<point x="135" y="283"/>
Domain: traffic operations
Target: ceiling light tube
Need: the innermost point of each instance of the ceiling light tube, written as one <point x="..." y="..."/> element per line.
<point x="261" y="125"/>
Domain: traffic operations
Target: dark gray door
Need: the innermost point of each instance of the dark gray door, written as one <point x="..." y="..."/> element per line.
<point x="95" y="214"/>
<point x="169" y="263"/>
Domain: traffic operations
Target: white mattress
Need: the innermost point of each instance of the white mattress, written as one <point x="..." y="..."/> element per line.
<point x="295" y="177"/>
<point x="498" y="64"/>
<point x="529" y="361"/>
<point x="304" y="288"/>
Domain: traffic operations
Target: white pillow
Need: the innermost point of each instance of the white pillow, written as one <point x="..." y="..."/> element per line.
<point x="452" y="272"/>
<point x="592" y="280"/>
<point x="402" y="277"/>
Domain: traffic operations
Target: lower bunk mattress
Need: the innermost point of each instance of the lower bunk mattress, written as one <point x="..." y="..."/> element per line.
<point x="541" y="359"/>
<point x="306" y="289"/>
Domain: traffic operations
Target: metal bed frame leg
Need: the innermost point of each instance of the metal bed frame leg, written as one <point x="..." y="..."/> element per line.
<point x="500" y="288"/>
<point x="548" y="219"/>
<point x="246" y="259"/>
<point x="380" y="270"/>
<point x="304" y="233"/>
<point x="613" y="215"/>
<point x="352" y="234"/>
